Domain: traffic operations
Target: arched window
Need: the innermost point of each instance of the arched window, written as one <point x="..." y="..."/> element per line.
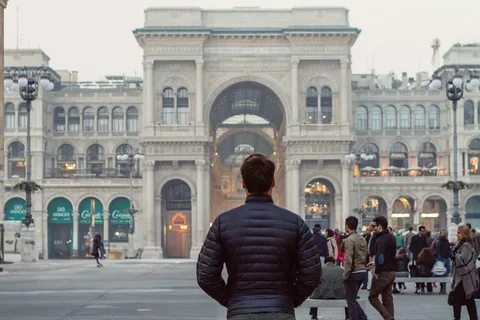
<point x="73" y="120"/>
<point x="391" y="118"/>
<point x="182" y="106"/>
<point x="468" y="112"/>
<point x="122" y="167"/>
<point x="370" y="149"/>
<point x="95" y="158"/>
<point x="433" y="117"/>
<point x="419" y="116"/>
<point x="22" y="115"/>
<point x="168" y="104"/>
<point x="427" y="156"/>
<point x="474" y="157"/>
<point x="66" y="158"/>
<point x="319" y="202"/>
<point x="88" y="119"/>
<point x="399" y="155"/>
<point x="117" y="119"/>
<point x="362" y="118"/>
<point x="326" y="105"/>
<point x="102" y="119"/>
<point x="16" y="160"/>
<point x="59" y="119"/>
<point x="132" y="119"/>
<point x="9" y="116"/>
<point x="176" y="190"/>
<point x="405" y="118"/>
<point x="312" y="105"/>
<point x="376" y="117"/>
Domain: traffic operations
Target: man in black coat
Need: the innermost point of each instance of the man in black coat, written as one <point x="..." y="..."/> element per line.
<point x="419" y="241"/>
<point x="271" y="257"/>
<point x="321" y="241"/>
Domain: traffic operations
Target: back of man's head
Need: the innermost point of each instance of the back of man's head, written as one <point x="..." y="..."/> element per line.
<point x="410" y="229"/>
<point x="258" y="174"/>
<point x="329" y="259"/>
<point x="352" y="223"/>
<point x="316" y="230"/>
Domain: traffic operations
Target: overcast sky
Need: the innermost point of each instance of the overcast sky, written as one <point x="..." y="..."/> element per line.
<point x="95" y="37"/>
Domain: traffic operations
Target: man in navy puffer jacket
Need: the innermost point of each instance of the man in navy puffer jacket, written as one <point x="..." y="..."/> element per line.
<point x="272" y="260"/>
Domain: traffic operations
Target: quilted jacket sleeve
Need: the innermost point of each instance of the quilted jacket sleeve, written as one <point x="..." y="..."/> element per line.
<point x="210" y="266"/>
<point x="307" y="265"/>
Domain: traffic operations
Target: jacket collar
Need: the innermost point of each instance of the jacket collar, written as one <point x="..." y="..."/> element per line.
<point x="259" y="198"/>
<point x="383" y="232"/>
<point x="353" y="232"/>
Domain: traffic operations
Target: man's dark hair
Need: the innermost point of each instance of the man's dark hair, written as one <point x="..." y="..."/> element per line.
<point x="381" y="221"/>
<point x="352" y="223"/>
<point x="410" y="229"/>
<point x="469" y="226"/>
<point x="390" y="229"/>
<point x="329" y="259"/>
<point x="421" y="228"/>
<point x="318" y="225"/>
<point x="258" y="173"/>
<point x="428" y="234"/>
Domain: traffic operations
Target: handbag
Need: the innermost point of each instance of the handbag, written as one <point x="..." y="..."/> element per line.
<point x="451" y="298"/>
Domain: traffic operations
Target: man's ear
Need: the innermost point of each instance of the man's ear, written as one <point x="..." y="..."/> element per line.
<point x="243" y="185"/>
<point x="273" y="183"/>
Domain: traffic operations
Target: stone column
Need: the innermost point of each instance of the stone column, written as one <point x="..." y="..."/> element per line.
<point x="288" y="186"/>
<point x="149" y="88"/>
<point x="201" y="195"/>
<point x="296" y="184"/>
<point x="344" y="92"/>
<point x="45" y="236"/>
<point x="199" y="93"/>
<point x="206" y="192"/>
<point x="151" y="251"/>
<point x="336" y="222"/>
<point x="294" y="93"/>
<point x="75" y="234"/>
<point x="345" y="190"/>
<point x="106" y="230"/>
<point x="195" y="248"/>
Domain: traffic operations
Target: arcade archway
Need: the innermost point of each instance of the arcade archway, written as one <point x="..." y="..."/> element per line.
<point x="403" y="211"/>
<point x="472" y="211"/>
<point x="434" y="214"/>
<point x="176" y="219"/>
<point x="245" y="118"/>
<point x="319" y="203"/>
<point x="372" y="207"/>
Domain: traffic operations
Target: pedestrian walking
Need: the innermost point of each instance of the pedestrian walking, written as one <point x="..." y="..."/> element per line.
<point x="367" y="236"/>
<point x="442" y="249"/>
<point x="332" y="245"/>
<point x="465" y="277"/>
<point x="356" y="251"/>
<point x="272" y="260"/>
<point x="384" y="270"/>
<point x="96" y="248"/>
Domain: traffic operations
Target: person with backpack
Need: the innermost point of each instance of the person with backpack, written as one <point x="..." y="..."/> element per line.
<point x="441" y="246"/>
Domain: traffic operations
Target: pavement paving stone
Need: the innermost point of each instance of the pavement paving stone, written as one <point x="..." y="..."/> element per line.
<point x="144" y="290"/>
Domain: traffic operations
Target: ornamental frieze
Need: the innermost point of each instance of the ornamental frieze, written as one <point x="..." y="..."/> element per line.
<point x="257" y="66"/>
<point x="173" y="49"/>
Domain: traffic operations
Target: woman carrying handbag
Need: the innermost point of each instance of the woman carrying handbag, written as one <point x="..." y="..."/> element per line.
<point x="465" y="277"/>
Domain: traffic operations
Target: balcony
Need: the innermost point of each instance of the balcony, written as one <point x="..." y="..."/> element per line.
<point x="105" y="173"/>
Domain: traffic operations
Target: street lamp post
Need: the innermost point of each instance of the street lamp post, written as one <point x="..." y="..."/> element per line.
<point x="454" y="89"/>
<point x="357" y="158"/>
<point x="131" y="159"/>
<point x="28" y="82"/>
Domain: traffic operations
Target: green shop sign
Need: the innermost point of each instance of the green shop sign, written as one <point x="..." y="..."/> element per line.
<point x="84" y="211"/>
<point x="119" y="211"/>
<point x="60" y="211"/>
<point x="15" y="209"/>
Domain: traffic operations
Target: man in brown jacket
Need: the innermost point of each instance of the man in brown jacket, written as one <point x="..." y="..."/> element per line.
<point x="356" y="251"/>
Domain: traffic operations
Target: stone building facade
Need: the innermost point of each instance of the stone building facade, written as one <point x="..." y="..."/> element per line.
<point x="213" y="92"/>
<point x="3" y="6"/>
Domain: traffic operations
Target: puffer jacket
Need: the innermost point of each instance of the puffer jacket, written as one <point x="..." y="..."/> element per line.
<point x="272" y="260"/>
<point x="355" y="248"/>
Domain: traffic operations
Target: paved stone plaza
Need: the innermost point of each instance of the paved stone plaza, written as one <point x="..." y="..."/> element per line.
<point x="140" y="289"/>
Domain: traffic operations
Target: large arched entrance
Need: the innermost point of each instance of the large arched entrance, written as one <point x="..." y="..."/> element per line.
<point x="403" y="211"/>
<point x="245" y="118"/>
<point x="176" y="219"/>
<point x="472" y="211"/>
<point x="319" y="203"/>
<point x="434" y="214"/>
<point x="60" y="228"/>
<point x="372" y="207"/>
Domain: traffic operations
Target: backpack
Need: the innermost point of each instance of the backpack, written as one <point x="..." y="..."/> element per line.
<point x="439" y="269"/>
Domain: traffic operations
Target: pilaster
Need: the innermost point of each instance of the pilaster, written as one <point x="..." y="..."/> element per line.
<point x="294" y="93"/>
<point x="293" y="185"/>
<point x="345" y="190"/>
<point x="344" y="91"/>
<point x="149" y="92"/>
<point x="45" y="236"/>
<point x="151" y="250"/>
<point x="106" y="231"/>
<point x="199" y="93"/>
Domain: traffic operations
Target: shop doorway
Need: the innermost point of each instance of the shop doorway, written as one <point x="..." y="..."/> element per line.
<point x="60" y="244"/>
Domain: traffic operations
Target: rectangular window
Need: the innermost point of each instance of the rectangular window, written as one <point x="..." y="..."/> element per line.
<point x="362" y="122"/>
<point x="376" y="122"/>
<point x="102" y="125"/>
<point x="419" y="121"/>
<point x="132" y="125"/>
<point x="405" y="120"/>
<point x="117" y="125"/>
<point x="433" y="122"/>
<point x="10" y="121"/>
<point x="22" y="120"/>
<point x="391" y="121"/>
<point x="182" y="115"/>
<point x="73" y="124"/>
<point x="167" y="116"/>
<point x="88" y="124"/>
<point x="312" y="115"/>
